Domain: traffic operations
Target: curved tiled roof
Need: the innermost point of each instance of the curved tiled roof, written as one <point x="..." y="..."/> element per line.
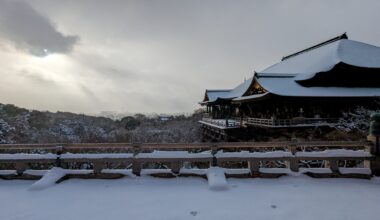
<point x="281" y="78"/>
<point x="285" y="78"/>
<point x="324" y="58"/>
<point x="238" y="91"/>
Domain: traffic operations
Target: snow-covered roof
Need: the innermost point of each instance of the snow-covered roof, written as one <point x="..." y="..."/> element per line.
<point x="213" y="95"/>
<point x="281" y="78"/>
<point x="238" y="91"/>
<point x="309" y="73"/>
<point x="324" y="58"/>
<point x="253" y="97"/>
<point x="287" y="86"/>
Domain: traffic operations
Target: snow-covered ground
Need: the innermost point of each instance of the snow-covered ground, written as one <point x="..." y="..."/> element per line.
<point x="190" y="198"/>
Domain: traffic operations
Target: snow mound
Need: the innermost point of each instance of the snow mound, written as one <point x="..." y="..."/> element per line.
<point x="216" y="179"/>
<point x="49" y="179"/>
<point x="53" y="175"/>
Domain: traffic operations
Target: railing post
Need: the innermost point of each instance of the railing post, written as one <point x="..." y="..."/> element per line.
<point x="136" y="167"/>
<point x="375" y="163"/>
<point x="214" y="150"/>
<point x="136" y="164"/>
<point x="175" y="167"/>
<point x="374" y="132"/>
<point x="368" y="163"/>
<point x="58" y="152"/>
<point x="20" y="167"/>
<point x="98" y="167"/>
<point x="292" y="164"/>
<point x="254" y="167"/>
<point x="333" y="165"/>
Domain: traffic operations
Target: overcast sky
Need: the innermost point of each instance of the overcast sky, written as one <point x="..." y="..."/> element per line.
<point x="157" y="56"/>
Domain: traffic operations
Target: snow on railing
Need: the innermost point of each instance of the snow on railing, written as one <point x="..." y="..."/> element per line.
<point x="289" y="153"/>
<point x="295" y="122"/>
<point x="222" y="123"/>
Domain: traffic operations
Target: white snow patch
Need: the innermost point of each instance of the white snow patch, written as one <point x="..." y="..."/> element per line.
<point x="247" y="154"/>
<point x="146" y="198"/>
<point x="276" y="170"/>
<point x="96" y="156"/>
<point x="315" y="170"/>
<point x="50" y="178"/>
<point x="193" y="171"/>
<point x="53" y="175"/>
<point x="155" y="171"/>
<point x="126" y="172"/>
<point x="174" y="154"/>
<point x="346" y="170"/>
<point x="25" y="156"/>
<point x="216" y="179"/>
<point x="35" y="172"/>
<point x="335" y="153"/>
<point x="237" y="171"/>
<point x="8" y="172"/>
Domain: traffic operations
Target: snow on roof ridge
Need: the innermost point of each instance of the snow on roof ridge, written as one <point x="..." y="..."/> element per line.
<point x="340" y="37"/>
<point x="281" y="75"/>
<point x="359" y="54"/>
<point x="325" y="57"/>
<point x="218" y="90"/>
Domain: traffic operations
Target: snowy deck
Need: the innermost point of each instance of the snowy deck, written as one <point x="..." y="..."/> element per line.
<point x="147" y="198"/>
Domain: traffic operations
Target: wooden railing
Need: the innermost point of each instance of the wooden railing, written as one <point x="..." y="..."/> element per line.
<point x="222" y="123"/>
<point x="295" y="122"/>
<point x="104" y="147"/>
<point x="269" y="122"/>
<point x="176" y="155"/>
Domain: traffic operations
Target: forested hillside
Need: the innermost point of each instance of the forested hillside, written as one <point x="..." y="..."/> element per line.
<point x="19" y="125"/>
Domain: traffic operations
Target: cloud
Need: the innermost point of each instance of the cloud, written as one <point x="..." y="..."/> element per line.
<point x="28" y="30"/>
<point x="36" y="78"/>
<point x="144" y="56"/>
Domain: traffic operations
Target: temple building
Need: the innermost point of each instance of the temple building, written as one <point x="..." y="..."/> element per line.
<point x="309" y="88"/>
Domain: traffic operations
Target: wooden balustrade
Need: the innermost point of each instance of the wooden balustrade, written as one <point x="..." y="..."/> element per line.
<point x="295" y="122"/>
<point x="222" y="123"/>
<point x="269" y="122"/>
<point x="289" y="152"/>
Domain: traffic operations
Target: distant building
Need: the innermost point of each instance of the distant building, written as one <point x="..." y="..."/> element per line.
<point x="163" y="117"/>
<point x="312" y="87"/>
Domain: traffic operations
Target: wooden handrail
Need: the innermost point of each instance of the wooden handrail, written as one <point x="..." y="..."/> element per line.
<point x="168" y="146"/>
<point x="291" y="155"/>
<point x="226" y="123"/>
<point x="289" y="122"/>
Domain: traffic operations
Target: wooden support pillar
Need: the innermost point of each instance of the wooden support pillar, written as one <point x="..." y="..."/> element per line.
<point x="98" y="166"/>
<point x="136" y="164"/>
<point x="136" y="149"/>
<point x="366" y="164"/>
<point x="333" y="165"/>
<point x="136" y="167"/>
<point x="20" y="167"/>
<point x="292" y="163"/>
<point x="58" y="151"/>
<point x="375" y="163"/>
<point x="254" y="166"/>
<point x="175" y="166"/>
<point x="214" y="150"/>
